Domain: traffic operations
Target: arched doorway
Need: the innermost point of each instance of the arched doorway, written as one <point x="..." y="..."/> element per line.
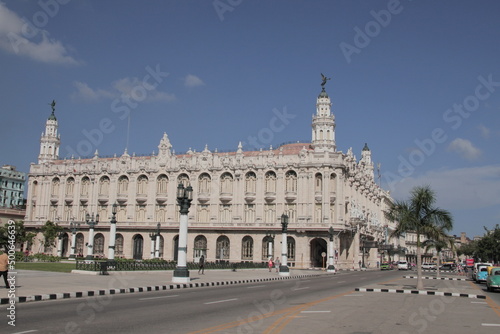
<point x="65" y="245"/>
<point x="318" y="246"/>
<point x="176" y="247"/>
<point x="138" y="246"/>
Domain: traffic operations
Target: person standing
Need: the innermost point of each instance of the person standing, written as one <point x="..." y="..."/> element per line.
<point x="270" y="264"/>
<point x="202" y="265"/>
<point x="4" y="267"/>
<point x="277" y="264"/>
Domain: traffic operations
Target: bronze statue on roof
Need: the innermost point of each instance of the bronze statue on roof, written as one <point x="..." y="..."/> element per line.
<point x="324" y="78"/>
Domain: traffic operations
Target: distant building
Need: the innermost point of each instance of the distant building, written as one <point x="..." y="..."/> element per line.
<point x="11" y="187"/>
<point x="238" y="199"/>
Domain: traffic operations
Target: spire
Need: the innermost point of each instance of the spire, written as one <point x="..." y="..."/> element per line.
<point x="323" y="124"/>
<point x="50" y="140"/>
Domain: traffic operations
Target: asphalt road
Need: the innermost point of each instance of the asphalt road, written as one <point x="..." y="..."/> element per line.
<point x="316" y="304"/>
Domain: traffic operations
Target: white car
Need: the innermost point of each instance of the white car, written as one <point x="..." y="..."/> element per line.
<point x="428" y="266"/>
<point x="403" y="265"/>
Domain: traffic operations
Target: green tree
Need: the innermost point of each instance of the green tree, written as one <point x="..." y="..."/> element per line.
<point x="50" y="231"/>
<point x="419" y="215"/>
<point x="20" y="234"/>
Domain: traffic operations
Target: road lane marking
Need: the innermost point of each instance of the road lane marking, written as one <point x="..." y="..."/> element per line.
<point x="341" y="282"/>
<point x="315" y="311"/>
<point x="490" y="325"/>
<point x="257" y="286"/>
<point x="478" y="302"/>
<point x="221" y="301"/>
<point x="30" y="331"/>
<point x="306" y="287"/>
<point x="354" y="296"/>
<point x="170" y="296"/>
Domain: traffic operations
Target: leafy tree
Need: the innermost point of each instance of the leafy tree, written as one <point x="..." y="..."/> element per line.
<point x="419" y="215"/>
<point x="20" y="235"/>
<point x="50" y="231"/>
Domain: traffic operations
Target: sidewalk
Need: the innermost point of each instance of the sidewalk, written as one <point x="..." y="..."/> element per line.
<point x="43" y="285"/>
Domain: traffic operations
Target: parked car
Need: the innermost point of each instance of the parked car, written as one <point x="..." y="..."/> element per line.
<point x="403" y="265"/>
<point x="482" y="274"/>
<point x="448" y="266"/>
<point x="493" y="280"/>
<point x="476" y="266"/>
<point x="428" y="266"/>
<point x="385" y="266"/>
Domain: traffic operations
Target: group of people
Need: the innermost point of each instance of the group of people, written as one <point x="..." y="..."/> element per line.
<point x="273" y="264"/>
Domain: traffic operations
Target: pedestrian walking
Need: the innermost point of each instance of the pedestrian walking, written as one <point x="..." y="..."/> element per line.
<point x="270" y="264"/>
<point x="4" y="267"/>
<point x="359" y="263"/>
<point x="277" y="264"/>
<point x="202" y="265"/>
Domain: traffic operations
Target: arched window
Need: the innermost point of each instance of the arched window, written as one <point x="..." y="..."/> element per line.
<point x="70" y="186"/>
<point x="161" y="184"/>
<point x="333" y="183"/>
<point x="291" y="181"/>
<point x="99" y="245"/>
<point x="250" y="182"/>
<point x="226" y="183"/>
<point x="123" y="185"/>
<point x="79" y="244"/>
<point x="85" y="187"/>
<point x="222" y="248"/>
<point x="290" y="244"/>
<point x="267" y="247"/>
<point x="200" y="246"/>
<point x="142" y="185"/>
<point x="55" y="186"/>
<point x="271" y="182"/>
<point x="104" y="186"/>
<point x="247" y="248"/>
<point x="318" y="183"/>
<point x="204" y="182"/>
<point x="119" y="245"/>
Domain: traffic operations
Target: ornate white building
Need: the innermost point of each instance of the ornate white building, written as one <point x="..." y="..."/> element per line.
<point x="239" y="198"/>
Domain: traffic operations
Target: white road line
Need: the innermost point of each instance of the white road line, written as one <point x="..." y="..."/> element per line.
<point x="306" y="287"/>
<point x="315" y="311"/>
<point x="479" y="303"/>
<point x="170" y="296"/>
<point x="491" y="325"/>
<point x="221" y="301"/>
<point x="305" y="280"/>
<point x="31" y="331"/>
<point x="354" y="295"/>
<point x="257" y="286"/>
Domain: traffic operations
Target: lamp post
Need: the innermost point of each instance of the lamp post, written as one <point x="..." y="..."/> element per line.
<point x="184" y="198"/>
<point x="362" y="238"/>
<point x="92" y="223"/>
<point x="60" y="236"/>
<point x="74" y="228"/>
<point x="112" y="234"/>
<point x="284" y="270"/>
<point x="331" y="266"/>
<point x="152" y="236"/>
<point x="157" y="248"/>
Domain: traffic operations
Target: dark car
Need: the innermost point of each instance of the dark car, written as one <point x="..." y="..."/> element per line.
<point x="448" y="266"/>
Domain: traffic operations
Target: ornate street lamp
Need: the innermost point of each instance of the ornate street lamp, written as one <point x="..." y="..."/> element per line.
<point x="92" y="222"/>
<point x="284" y="270"/>
<point x="331" y="267"/>
<point x="112" y="233"/>
<point x="74" y="227"/>
<point x="270" y="244"/>
<point x="184" y="198"/>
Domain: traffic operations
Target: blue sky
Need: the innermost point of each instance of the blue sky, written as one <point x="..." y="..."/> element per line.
<point x="418" y="81"/>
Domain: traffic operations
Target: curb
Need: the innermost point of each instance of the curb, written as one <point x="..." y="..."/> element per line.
<point x="66" y="295"/>
<point x="441" y="278"/>
<point x="422" y="292"/>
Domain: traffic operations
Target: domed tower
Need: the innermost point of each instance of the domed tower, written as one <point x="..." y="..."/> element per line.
<point x="323" y="123"/>
<point x="50" y="139"/>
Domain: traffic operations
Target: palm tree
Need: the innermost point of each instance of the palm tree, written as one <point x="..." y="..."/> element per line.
<point x="419" y="215"/>
<point x="438" y="245"/>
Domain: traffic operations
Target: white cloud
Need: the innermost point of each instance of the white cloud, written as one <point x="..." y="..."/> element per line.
<point x="464" y="148"/>
<point x="134" y="88"/>
<point x="192" y="81"/>
<point x="485" y="132"/>
<point x="16" y="37"/>
<point x="458" y="189"/>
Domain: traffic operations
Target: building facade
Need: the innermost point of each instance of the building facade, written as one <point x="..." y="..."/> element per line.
<point x="11" y="187"/>
<point x="238" y="199"/>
